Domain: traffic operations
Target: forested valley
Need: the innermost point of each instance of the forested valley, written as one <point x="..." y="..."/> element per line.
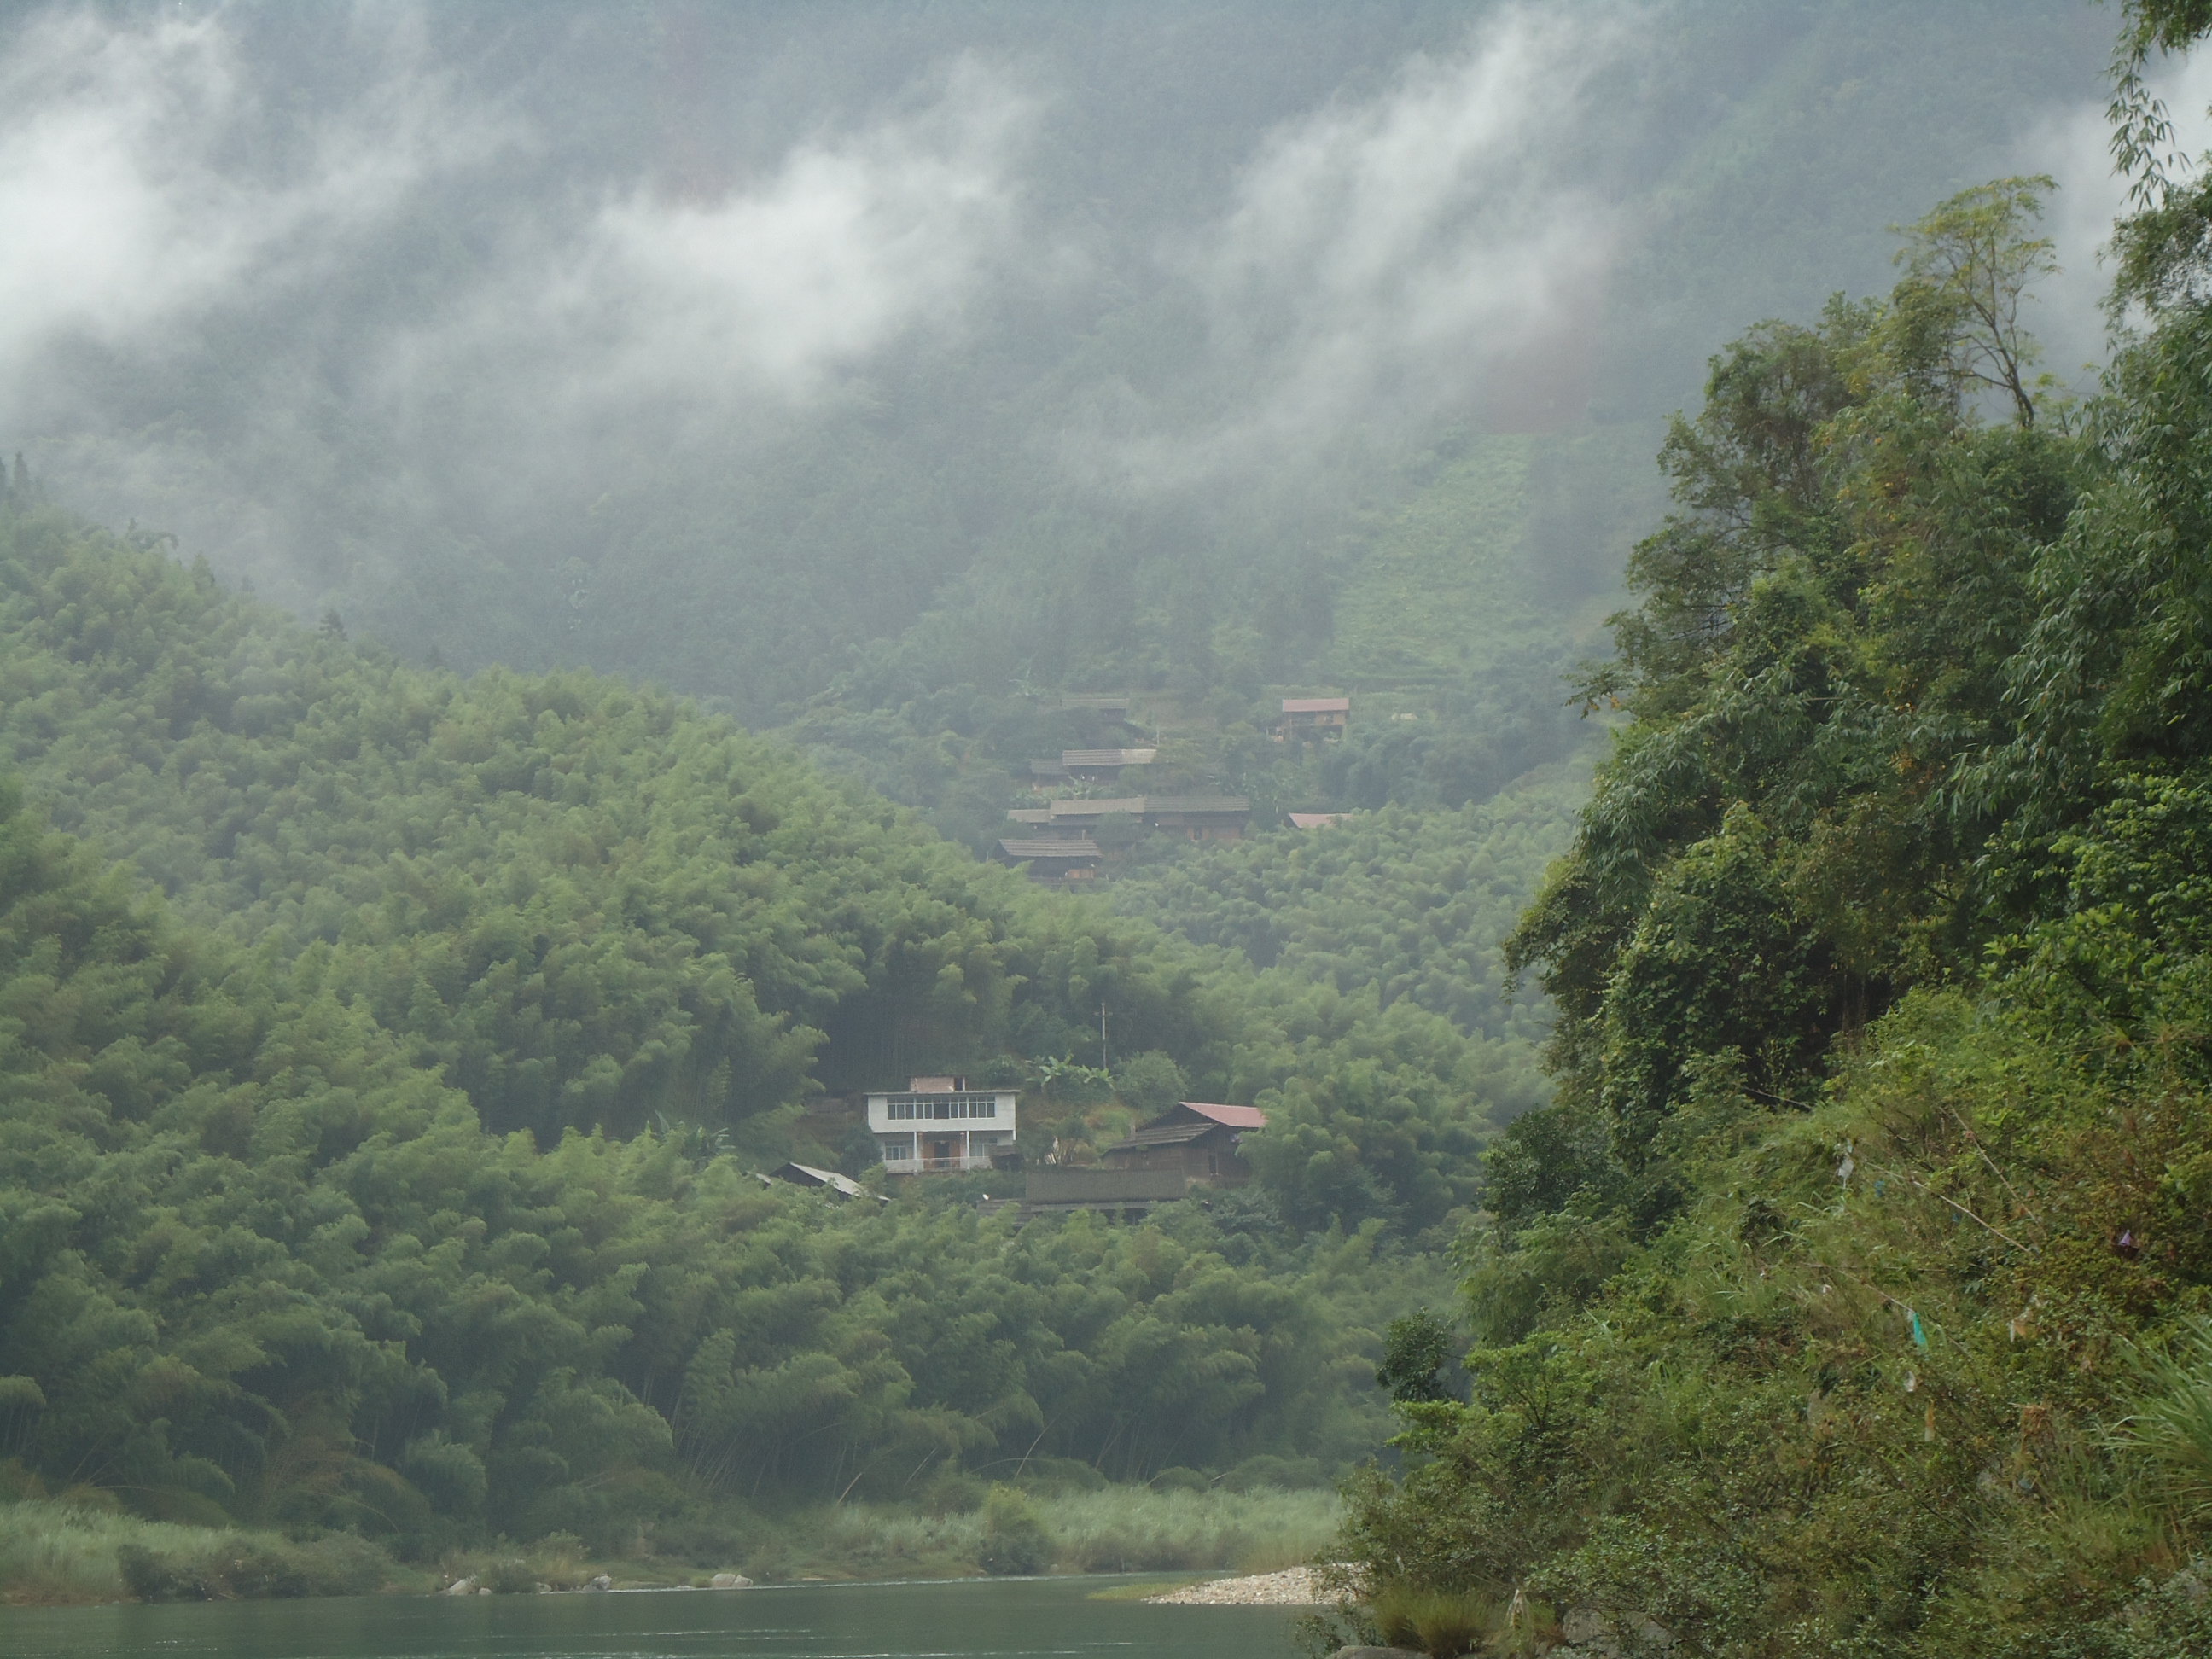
<point x="388" y="1052"/>
<point x="509" y="696"/>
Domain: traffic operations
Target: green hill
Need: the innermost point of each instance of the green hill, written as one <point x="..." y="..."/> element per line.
<point x="386" y="1053"/>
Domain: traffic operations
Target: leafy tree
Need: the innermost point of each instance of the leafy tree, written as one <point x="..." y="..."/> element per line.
<point x="1868" y="1222"/>
<point x="1417" y="1348"/>
<point x="1151" y="1082"/>
<point x="1784" y="840"/>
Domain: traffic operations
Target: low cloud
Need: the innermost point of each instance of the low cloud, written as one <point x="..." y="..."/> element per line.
<point x="222" y="291"/>
<point x="849" y="245"/>
<point x="2074" y="147"/>
<point x="776" y="289"/>
<point x="1415" y="250"/>
<point x="132" y="197"/>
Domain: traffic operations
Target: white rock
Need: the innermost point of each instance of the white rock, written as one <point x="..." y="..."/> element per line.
<point x="462" y="1586"/>
<point x="1298" y="1587"/>
<point x="731" y="1581"/>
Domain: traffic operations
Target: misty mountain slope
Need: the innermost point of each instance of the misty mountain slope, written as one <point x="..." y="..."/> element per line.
<point x="1415" y="904"/>
<point x="1454" y="611"/>
<point x="590" y="907"/>
<point x="1858" y="117"/>
<point x="1513" y="548"/>
<point x="719" y="344"/>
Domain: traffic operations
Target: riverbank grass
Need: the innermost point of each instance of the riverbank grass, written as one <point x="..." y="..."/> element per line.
<point x="59" y="1551"/>
<point x="55" y="1551"/>
<point x="1117" y="1529"/>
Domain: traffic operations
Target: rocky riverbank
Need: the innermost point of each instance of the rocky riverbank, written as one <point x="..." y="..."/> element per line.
<point x="1296" y="1587"/>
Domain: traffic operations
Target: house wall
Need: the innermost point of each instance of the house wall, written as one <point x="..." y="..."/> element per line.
<point x="942" y="1130"/>
<point x="1212" y="1158"/>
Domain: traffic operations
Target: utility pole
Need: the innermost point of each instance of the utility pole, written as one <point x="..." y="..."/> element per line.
<point x="1104" y="1065"/>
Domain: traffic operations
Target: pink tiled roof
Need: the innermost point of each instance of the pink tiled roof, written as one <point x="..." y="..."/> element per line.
<point x="1236" y="1117"/>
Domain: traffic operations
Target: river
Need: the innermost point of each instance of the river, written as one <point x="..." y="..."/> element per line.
<point x="972" y="1618"/>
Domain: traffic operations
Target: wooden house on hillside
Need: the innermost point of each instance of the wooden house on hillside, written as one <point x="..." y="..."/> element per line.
<point x="1198" y="1139"/>
<point x="1053" y="857"/>
<point x="829" y="1180"/>
<point x="1198" y="817"/>
<point x="1314" y="716"/>
<point x="1107" y="705"/>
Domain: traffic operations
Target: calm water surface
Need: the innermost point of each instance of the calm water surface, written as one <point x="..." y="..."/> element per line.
<point x="1026" y="1619"/>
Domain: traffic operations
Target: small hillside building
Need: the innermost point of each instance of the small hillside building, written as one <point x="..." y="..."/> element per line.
<point x="1053" y="857"/>
<point x="939" y="1126"/>
<point x="1198" y="1140"/>
<point x="1197" y="817"/>
<point x="1314" y="716"/>
<point x="829" y="1180"/>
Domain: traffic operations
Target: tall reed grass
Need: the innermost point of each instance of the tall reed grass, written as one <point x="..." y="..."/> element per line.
<point x="1119" y="1529"/>
<point x="57" y="1552"/>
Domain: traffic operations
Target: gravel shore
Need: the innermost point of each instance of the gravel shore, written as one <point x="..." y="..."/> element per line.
<point x="1298" y="1587"/>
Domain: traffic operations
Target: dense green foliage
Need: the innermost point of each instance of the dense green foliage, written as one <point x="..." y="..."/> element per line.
<point x="588" y="907"/>
<point x="387" y="1170"/>
<point x="1411" y="905"/>
<point x="259" y="1264"/>
<point x="1849" y="1299"/>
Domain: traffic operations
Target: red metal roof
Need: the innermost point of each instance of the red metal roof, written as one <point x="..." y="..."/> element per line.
<point x="1236" y="1117"/>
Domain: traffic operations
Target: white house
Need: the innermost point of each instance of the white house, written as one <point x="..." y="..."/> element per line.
<point x="939" y="1124"/>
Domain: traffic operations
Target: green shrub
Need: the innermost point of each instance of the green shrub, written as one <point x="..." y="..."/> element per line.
<point x="951" y="1492"/>
<point x="1442" y="1624"/>
<point x="1015" y="1541"/>
<point x="2171" y="1616"/>
<point x="1267" y="1472"/>
<point x="228" y="1566"/>
<point x="1055" y="1474"/>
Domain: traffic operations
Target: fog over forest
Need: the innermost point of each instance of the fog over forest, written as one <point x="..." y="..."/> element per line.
<point x="715" y="342"/>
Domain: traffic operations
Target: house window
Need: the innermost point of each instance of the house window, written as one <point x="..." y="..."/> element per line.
<point x="909" y="1108"/>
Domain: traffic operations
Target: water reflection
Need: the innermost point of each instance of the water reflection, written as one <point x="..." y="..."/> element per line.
<point x="1031" y="1618"/>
